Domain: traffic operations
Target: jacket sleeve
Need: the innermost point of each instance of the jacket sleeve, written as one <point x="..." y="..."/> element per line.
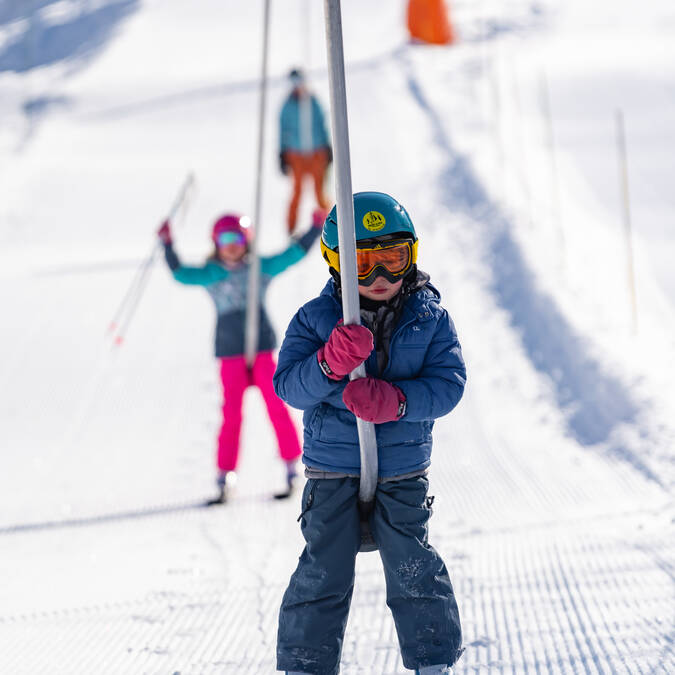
<point x="440" y="384"/>
<point x="193" y="276"/>
<point x="298" y="379"/>
<point x="276" y="264"/>
<point x="308" y="239"/>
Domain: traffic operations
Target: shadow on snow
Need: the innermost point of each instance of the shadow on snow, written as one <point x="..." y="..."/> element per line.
<point x="74" y="38"/>
<point x="594" y="402"/>
<point x="122" y="516"/>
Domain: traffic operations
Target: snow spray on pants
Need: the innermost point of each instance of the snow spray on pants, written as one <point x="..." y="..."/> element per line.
<point x="315" y="607"/>
<point x="236" y="377"/>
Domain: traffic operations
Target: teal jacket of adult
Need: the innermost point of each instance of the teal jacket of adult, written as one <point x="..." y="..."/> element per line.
<point x="425" y="361"/>
<point x="290" y="131"/>
<point x="228" y="288"/>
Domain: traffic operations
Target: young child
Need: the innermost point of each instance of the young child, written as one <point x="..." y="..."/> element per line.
<point x="415" y="374"/>
<point x="225" y="277"/>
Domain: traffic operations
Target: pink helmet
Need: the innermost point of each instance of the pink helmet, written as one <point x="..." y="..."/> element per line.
<point x="232" y="222"/>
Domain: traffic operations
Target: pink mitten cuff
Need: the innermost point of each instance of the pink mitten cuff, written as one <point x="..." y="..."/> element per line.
<point x="323" y="364"/>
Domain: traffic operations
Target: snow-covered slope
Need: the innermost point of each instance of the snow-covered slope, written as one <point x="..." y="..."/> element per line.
<point x="553" y="478"/>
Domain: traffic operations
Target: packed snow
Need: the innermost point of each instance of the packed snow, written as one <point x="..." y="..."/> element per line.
<point x="554" y="476"/>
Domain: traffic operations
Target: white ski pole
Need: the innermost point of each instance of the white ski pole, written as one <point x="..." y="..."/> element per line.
<point x="132" y="297"/>
<point x="253" y="294"/>
<point x="347" y="249"/>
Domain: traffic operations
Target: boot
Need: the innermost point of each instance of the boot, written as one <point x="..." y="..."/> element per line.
<point x="291" y="476"/>
<point x="225" y="481"/>
<point x="291" y="473"/>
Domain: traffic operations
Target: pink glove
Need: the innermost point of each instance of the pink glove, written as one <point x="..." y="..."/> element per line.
<point x="374" y="400"/>
<point x="164" y="233"/>
<point x="347" y="347"/>
<point x="319" y="217"/>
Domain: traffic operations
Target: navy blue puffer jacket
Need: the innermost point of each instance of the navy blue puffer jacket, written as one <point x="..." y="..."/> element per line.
<point x="425" y="362"/>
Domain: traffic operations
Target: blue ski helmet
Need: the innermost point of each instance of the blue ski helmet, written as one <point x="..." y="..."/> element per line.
<point x="378" y="218"/>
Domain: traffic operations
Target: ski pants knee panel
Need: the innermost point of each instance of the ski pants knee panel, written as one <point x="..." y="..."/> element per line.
<point x="316" y="604"/>
<point x="419" y="591"/>
<point x="315" y="607"/>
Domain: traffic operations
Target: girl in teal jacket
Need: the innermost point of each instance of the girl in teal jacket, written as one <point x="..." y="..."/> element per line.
<point x="225" y="277"/>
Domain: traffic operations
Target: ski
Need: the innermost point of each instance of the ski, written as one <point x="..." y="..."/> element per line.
<point x="285" y="494"/>
<point x="221" y="498"/>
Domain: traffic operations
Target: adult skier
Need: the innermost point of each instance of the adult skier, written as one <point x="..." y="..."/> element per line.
<point x="304" y="145"/>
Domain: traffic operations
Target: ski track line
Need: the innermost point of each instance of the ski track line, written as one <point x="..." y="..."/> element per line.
<point x="603" y="619"/>
<point x="142" y="633"/>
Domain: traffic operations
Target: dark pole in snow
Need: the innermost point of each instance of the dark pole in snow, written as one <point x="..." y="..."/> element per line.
<point x="253" y="296"/>
<point x="625" y="201"/>
<point x="545" y="93"/>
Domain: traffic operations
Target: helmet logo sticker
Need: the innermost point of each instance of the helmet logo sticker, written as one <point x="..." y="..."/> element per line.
<point x="373" y="221"/>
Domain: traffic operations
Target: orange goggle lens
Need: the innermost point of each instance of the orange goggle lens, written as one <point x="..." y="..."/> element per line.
<point x="395" y="259"/>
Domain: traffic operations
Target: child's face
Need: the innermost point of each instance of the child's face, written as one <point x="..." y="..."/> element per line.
<point x="381" y="289"/>
<point x="231" y="253"/>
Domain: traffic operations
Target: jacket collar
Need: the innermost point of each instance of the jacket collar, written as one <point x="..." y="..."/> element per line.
<point x="417" y="304"/>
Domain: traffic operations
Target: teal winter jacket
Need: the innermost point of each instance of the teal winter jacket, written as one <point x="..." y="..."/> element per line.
<point x="228" y="290"/>
<point x="290" y="134"/>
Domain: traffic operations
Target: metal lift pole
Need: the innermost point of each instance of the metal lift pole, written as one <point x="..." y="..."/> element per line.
<point x="347" y="248"/>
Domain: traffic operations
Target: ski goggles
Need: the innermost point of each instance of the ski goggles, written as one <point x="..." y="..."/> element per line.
<point x="391" y="260"/>
<point x="395" y="258"/>
<point x="225" y="238"/>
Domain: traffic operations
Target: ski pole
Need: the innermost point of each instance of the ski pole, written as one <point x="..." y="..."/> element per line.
<point x="135" y="297"/>
<point x="253" y="291"/>
<point x="131" y="291"/>
<point x="129" y="303"/>
<point x="347" y="248"/>
<point x="140" y="270"/>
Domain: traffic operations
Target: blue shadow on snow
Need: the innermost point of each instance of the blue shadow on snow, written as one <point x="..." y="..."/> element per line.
<point x="594" y="402"/>
<point x="76" y="40"/>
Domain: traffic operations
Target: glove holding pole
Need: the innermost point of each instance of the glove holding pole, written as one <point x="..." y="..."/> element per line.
<point x="347" y="348"/>
<point x="374" y="400"/>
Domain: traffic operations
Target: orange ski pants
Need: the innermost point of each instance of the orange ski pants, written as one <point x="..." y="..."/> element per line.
<point x="306" y="164"/>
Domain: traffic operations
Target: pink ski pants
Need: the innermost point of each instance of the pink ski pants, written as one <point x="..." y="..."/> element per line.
<point x="236" y="378"/>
